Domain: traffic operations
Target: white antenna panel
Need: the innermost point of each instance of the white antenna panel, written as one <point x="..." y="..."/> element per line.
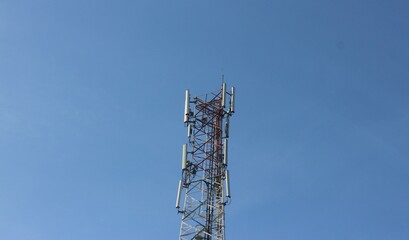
<point x="187" y="111"/>
<point x="225" y="142"/>
<point x="227" y="184"/>
<point x="189" y="131"/>
<point x="223" y="95"/>
<point x="178" y="196"/>
<point x="184" y="156"/>
<point x="232" y="100"/>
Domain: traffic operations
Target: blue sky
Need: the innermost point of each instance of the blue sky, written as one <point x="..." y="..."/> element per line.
<point x="91" y="125"/>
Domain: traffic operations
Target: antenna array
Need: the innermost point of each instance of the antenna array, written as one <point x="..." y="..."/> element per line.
<point x="205" y="178"/>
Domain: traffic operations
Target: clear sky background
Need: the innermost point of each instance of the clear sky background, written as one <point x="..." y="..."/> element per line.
<point x="91" y="116"/>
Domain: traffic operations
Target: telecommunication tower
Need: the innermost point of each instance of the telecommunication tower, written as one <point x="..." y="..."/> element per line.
<point x="205" y="178"/>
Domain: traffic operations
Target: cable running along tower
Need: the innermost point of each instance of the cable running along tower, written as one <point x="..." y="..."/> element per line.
<point x="205" y="178"/>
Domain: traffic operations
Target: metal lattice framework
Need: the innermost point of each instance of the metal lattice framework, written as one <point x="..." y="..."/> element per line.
<point x="205" y="177"/>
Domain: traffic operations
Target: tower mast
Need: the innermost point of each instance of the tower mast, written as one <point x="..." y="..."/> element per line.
<point x="205" y="178"/>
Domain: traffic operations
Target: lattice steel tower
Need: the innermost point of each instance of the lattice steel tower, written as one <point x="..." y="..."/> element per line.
<point x="205" y="177"/>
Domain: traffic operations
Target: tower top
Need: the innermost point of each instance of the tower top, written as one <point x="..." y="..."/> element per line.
<point x="205" y="177"/>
